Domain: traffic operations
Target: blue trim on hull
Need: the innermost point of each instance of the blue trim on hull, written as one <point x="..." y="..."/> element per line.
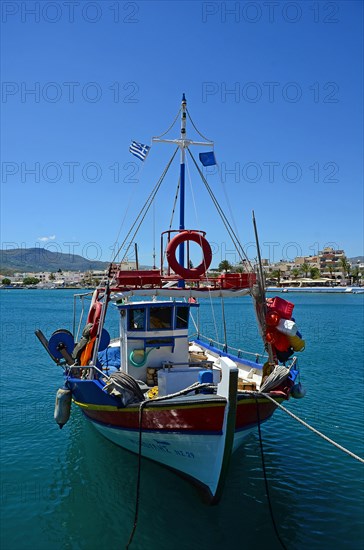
<point x="90" y="391"/>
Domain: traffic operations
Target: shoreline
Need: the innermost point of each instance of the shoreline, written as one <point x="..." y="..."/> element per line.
<point x="320" y="289"/>
<point x="282" y="289"/>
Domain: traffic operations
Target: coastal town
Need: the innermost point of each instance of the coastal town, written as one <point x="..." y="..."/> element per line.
<point x="329" y="267"/>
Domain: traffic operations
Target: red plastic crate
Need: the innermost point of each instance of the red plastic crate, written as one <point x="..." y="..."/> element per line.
<point x="282" y="307"/>
<point x="138" y="278"/>
<point x="237" y="280"/>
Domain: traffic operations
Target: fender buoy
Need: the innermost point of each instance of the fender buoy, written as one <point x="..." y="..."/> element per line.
<point x="194" y="272"/>
<point x="62" y="406"/>
<point x="94" y="317"/>
<point x="297" y="343"/>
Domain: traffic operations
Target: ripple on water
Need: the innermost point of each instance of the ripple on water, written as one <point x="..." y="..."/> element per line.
<point x="71" y="489"/>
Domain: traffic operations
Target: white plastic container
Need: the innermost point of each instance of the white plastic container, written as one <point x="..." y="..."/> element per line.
<point x="288" y="327"/>
<point x="176" y="379"/>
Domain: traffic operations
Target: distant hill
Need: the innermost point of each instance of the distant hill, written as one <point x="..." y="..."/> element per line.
<point x="41" y="259"/>
<point x="357" y="259"/>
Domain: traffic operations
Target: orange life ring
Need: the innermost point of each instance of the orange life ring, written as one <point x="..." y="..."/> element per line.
<point x="94" y="318"/>
<point x="194" y="272"/>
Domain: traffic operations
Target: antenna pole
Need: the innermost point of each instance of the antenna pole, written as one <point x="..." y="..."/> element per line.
<point x="183" y="143"/>
<point x="181" y="252"/>
<point x="136" y="255"/>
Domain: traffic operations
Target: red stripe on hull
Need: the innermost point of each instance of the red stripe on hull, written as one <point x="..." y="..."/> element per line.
<point x="204" y="419"/>
<point x="247" y="414"/>
<point x="196" y="419"/>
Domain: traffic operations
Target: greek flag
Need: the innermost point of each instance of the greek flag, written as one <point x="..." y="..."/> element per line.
<point x="139" y="150"/>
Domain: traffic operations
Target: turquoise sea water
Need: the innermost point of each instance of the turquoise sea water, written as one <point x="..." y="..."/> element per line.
<point x="72" y="489"/>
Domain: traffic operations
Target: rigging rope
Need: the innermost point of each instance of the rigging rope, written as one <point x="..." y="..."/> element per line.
<point x="222" y="215"/>
<point x="227" y="201"/>
<point x="193" y="124"/>
<point x="196" y="216"/>
<point x="174" y="204"/>
<point x="225" y="348"/>
<point x="171" y="126"/>
<point x="172" y="216"/>
<point x="317" y="432"/>
<point x="133" y="190"/>
<point x="194" y="322"/>
<point x="131" y="195"/>
<point x="145" y="207"/>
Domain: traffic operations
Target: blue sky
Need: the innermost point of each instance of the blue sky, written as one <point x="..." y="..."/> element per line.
<point x="277" y="85"/>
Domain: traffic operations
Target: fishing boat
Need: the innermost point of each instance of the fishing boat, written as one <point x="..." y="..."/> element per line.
<point x="185" y="401"/>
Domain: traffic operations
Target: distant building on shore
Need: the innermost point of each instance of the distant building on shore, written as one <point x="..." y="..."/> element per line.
<point x="59" y="279"/>
<point x="327" y="265"/>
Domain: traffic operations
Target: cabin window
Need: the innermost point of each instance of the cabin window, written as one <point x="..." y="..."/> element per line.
<point x="158" y="342"/>
<point x="161" y="317"/>
<point x="182" y="317"/>
<point x="136" y="319"/>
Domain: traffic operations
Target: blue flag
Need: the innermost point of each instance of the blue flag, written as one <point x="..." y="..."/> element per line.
<point x="139" y="150"/>
<point x="208" y="159"/>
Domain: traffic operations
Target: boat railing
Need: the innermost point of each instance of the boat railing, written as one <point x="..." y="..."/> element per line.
<point x="87" y="368"/>
<point x="82" y="298"/>
<point x="234" y="351"/>
<point x="127" y="280"/>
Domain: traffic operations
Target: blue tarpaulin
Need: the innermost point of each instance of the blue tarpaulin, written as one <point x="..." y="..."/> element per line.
<point x="110" y="357"/>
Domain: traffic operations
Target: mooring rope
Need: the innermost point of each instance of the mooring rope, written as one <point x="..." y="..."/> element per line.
<point x="197" y="385"/>
<point x="317" y="432"/>
<point x="137" y="496"/>
<point x="266" y="479"/>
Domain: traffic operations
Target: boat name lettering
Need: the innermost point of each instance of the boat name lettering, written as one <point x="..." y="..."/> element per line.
<point x="154" y="446"/>
<point x="162" y="447"/>
<point x="185" y="454"/>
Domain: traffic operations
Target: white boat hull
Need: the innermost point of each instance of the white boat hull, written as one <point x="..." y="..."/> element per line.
<point x="197" y="456"/>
